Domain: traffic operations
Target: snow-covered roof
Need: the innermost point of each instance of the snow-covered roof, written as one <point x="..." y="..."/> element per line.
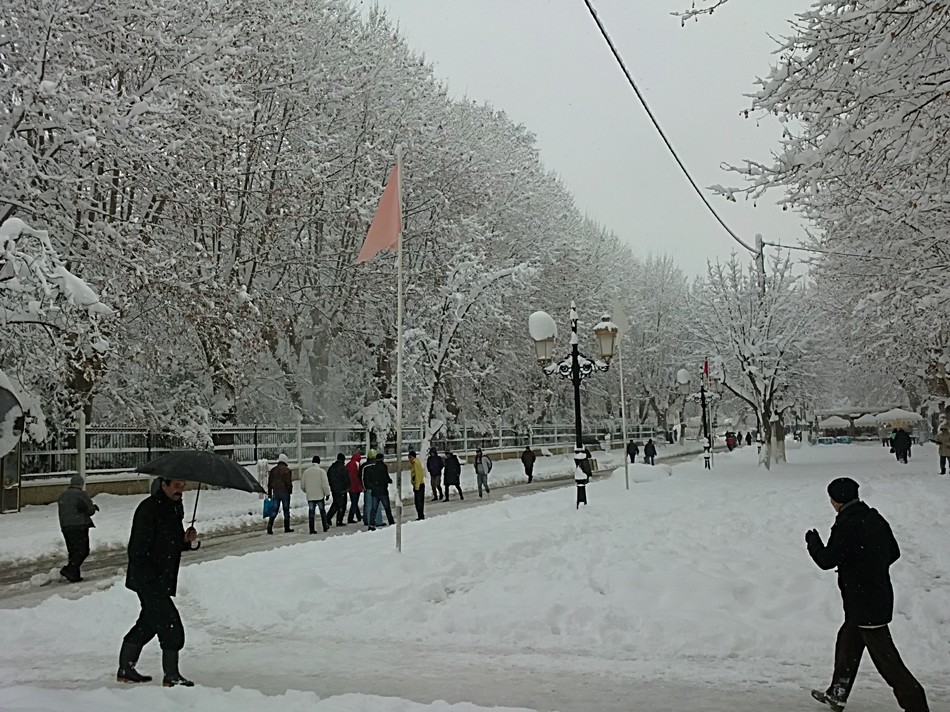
<point x="899" y="415"/>
<point x="834" y="422"/>
<point x="865" y="420"/>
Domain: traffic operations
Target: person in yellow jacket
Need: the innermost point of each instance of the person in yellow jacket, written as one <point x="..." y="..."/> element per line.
<point x="418" y="484"/>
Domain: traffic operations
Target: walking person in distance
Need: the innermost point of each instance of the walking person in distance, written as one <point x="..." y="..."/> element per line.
<point x="76" y="509"/>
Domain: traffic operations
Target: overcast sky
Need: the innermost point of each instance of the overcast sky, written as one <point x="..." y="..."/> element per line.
<point x="545" y="64"/>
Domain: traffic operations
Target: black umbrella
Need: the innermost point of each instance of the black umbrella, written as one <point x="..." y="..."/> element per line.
<point x="203" y="467"/>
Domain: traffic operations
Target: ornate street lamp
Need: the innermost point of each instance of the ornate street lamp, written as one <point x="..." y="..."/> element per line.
<point x="575" y="366"/>
<point x="705" y="399"/>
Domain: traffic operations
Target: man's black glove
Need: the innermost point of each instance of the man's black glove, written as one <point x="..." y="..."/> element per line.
<point x="812" y="538"/>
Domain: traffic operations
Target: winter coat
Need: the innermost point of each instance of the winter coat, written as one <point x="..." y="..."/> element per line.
<point x="863" y="547"/>
<point x="339" y="477"/>
<point x="418" y="474"/>
<point x="901" y="441"/>
<point x="943" y="441"/>
<point x="280" y="480"/>
<point x="435" y="465"/>
<point x="314" y="483"/>
<point x="483" y="466"/>
<point x="376" y="477"/>
<point x="649" y="450"/>
<point x="528" y="457"/>
<point x="632" y="449"/>
<point x="353" y="470"/>
<point x="453" y="471"/>
<point x="155" y="546"/>
<point x="76" y="509"/>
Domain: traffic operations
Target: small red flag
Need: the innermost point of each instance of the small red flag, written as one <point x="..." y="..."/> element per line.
<point x="387" y="223"/>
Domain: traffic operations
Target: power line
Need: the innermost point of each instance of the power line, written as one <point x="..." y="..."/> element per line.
<point x="827" y="252"/>
<point x="656" y="124"/>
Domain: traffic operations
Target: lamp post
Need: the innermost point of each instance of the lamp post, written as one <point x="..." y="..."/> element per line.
<point x="575" y="366"/>
<point x="705" y="398"/>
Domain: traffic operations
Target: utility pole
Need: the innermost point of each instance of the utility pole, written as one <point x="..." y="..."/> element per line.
<point x="760" y="262"/>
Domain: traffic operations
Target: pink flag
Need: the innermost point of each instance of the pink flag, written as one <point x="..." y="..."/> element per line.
<point x="387" y="223"/>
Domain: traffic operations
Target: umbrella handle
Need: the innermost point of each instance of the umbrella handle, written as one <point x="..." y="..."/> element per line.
<point x="195" y="513"/>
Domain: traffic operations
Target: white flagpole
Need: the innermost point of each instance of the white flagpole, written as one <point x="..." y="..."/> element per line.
<point x="399" y="311"/>
<point x="623" y="415"/>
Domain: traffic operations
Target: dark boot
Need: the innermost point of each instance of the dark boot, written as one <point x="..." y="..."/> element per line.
<point x="128" y="657"/>
<point x="172" y="677"/>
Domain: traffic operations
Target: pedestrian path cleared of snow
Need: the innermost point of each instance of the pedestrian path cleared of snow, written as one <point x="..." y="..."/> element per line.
<point x="698" y="579"/>
<point x="33" y="533"/>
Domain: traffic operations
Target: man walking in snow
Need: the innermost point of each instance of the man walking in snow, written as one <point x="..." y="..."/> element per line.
<point x="483" y="466"/>
<point x="632" y="451"/>
<point x="155" y="545"/>
<point x="862" y="547"/>
<point x="355" y="489"/>
<point x="75" y="519"/>
<point x="280" y="485"/>
<point x="316" y="487"/>
<point x="453" y="474"/>
<point x="943" y="443"/>
<point x="418" y="477"/>
<point x="649" y="452"/>
<point x="435" y="465"/>
<point x="376" y="479"/>
<point x="527" y="459"/>
<point x="901" y="443"/>
<point x="339" y="483"/>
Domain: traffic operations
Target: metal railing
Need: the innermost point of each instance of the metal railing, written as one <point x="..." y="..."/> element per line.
<point x="116" y="450"/>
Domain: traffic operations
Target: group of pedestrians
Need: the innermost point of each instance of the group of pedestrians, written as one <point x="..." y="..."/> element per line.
<point x="649" y="452"/>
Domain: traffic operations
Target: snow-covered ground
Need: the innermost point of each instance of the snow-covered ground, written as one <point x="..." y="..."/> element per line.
<point x="33" y="533"/>
<point x="687" y="592"/>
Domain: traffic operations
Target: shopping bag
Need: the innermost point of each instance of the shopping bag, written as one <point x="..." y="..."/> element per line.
<point x="270" y="508"/>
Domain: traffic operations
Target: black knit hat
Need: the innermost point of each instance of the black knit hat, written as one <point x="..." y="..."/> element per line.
<point x="843" y="490"/>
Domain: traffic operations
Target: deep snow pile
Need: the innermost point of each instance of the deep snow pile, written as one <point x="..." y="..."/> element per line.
<point x="701" y="576"/>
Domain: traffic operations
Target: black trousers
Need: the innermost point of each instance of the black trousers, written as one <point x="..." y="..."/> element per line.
<point x="458" y="488"/>
<point x="338" y="507"/>
<point x="849" y="648"/>
<point x="581" y="495"/>
<point x="157" y="617"/>
<point x="420" y="498"/>
<point x="77" y="547"/>
<point x="529" y="471"/>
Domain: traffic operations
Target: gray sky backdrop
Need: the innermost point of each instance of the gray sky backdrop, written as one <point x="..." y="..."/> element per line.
<point x="545" y="64"/>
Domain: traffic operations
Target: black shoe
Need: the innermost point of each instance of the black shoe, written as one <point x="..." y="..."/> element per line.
<point x="487" y="491"/>
<point x="834" y="703"/>
<point x="287" y="530"/>
<point x="270" y="531"/>
<point x="177" y="681"/>
<point x="461" y="497"/>
<point x="130" y="675"/>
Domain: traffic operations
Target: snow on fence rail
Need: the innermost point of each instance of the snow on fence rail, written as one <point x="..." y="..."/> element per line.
<point x="115" y="450"/>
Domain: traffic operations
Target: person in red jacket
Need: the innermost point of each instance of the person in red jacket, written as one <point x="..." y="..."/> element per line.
<point x="280" y="485"/>
<point x="356" y="488"/>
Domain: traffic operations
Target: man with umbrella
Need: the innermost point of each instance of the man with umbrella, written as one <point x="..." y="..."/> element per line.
<point x="158" y="537"/>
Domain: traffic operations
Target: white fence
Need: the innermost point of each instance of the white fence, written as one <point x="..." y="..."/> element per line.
<point x="114" y="450"/>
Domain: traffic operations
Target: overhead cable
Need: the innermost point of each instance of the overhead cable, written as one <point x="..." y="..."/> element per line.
<point x="656" y="124"/>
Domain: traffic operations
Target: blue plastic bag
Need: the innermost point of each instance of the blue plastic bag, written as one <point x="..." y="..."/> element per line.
<point x="270" y="508"/>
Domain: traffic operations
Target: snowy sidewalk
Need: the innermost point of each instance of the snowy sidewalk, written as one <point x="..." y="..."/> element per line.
<point x="33" y="534"/>
<point x="690" y="592"/>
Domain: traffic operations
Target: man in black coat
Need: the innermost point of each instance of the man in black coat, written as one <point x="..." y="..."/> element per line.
<point x="377" y="480"/>
<point x="155" y="545"/>
<point x="863" y="547"/>
<point x="339" y="483"/>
